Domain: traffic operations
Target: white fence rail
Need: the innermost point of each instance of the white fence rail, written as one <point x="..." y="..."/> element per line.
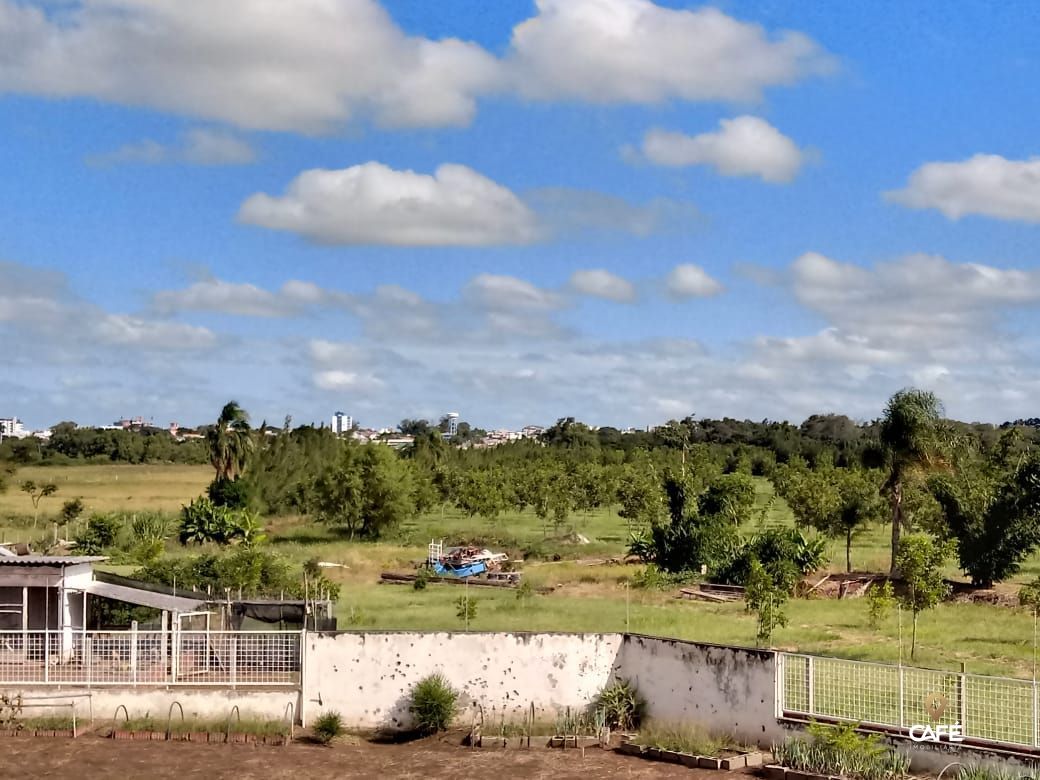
<point x="988" y="709"/>
<point x="156" y="658"/>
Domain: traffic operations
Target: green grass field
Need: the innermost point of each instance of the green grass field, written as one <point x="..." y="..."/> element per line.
<point x="585" y="597"/>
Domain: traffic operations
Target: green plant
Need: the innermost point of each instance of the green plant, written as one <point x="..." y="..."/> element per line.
<point x="766" y="599"/>
<point x="100" y="534"/>
<point x="465" y="609"/>
<point x="328" y="726"/>
<point x="422" y="578"/>
<point x="979" y="772"/>
<point x="433" y="704"/>
<point x="881" y="601"/>
<point x="621" y="703"/>
<point x="692" y="738"/>
<point x="842" y="750"/>
<point x="10" y="709"/>
<point x="524" y="592"/>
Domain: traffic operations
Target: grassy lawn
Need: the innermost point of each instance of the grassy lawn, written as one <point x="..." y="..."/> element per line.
<point x="990" y="640"/>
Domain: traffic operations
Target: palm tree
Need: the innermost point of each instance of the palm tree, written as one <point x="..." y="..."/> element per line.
<point x="911" y="434"/>
<point x="230" y="442"/>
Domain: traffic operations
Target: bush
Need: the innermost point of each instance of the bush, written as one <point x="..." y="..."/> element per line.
<point x="434" y="704"/>
<point x="100" y="534"/>
<point x="621" y="704"/>
<point x="840" y="750"/>
<point x="691" y="738"/>
<point x="232" y="493"/>
<point x="422" y="578"/>
<point x="880" y="602"/>
<point x="328" y="726"/>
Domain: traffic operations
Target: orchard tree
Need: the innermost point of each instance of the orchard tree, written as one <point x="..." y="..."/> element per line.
<point x="764" y="597"/>
<point x="921" y="558"/>
<point x="911" y="434"/>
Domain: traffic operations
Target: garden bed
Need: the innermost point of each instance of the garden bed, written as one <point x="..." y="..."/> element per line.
<point x="240" y="732"/>
<point x="727" y="762"/>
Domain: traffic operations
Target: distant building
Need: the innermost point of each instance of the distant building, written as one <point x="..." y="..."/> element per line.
<point x="453" y="425"/>
<point x="342" y="423"/>
<point x="12" y="427"/>
<point x="531" y="431"/>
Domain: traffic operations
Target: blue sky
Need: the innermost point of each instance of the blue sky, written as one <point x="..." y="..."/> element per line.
<point x="754" y="209"/>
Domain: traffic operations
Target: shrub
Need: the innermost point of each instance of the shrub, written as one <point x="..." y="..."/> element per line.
<point x="840" y="750"/>
<point x="465" y="609"/>
<point x="433" y="705"/>
<point x="422" y="578"/>
<point x="328" y="726"/>
<point x="880" y="602"/>
<point x="621" y="704"/>
<point x="100" y="534"/>
<point x="692" y="738"/>
<point x="232" y="493"/>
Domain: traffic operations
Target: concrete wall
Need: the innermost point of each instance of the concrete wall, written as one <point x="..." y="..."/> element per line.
<point x="367" y="677"/>
<point x="100" y="704"/>
<point x="729" y="689"/>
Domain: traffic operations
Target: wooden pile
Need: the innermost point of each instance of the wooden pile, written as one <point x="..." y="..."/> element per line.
<point x="716" y="594"/>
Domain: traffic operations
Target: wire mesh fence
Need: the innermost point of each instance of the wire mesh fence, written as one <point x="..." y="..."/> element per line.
<point x="227" y="658"/>
<point x="990" y="709"/>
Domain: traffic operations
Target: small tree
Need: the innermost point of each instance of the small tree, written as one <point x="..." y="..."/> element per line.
<point x="36" y="494"/>
<point x="70" y="512"/>
<point x="881" y="601"/>
<point x="921" y="559"/>
<point x="766" y="599"/>
<point x="465" y="609"/>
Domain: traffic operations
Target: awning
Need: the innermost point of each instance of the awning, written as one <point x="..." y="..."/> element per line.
<point x="144" y="598"/>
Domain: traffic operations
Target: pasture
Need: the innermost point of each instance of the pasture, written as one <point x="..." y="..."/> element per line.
<point x="575" y="593"/>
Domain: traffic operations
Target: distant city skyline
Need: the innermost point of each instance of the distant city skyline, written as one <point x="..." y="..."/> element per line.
<point x="620" y="210"/>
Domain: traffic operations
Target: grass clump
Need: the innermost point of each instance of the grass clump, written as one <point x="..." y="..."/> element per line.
<point x="622" y="705"/>
<point x="692" y="738"/>
<point x="433" y="704"/>
<point x="328" y="726"/>
<point x="841" y="750"/>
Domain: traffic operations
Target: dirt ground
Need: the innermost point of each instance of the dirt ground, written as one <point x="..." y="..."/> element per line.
<point x="91" y="757"/>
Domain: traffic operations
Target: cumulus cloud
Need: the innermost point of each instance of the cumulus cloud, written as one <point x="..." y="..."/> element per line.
<point x="375" y="204"/>
<point x="313" y="65"/>
<point x="744" y="146"/>
<point x="308" y="66"/>
<point x="507" y="293"/>
<point x="243" y="299"/>
<point x="198" y="146"/>
<point x="44" y="314"/>
<point x="987" y="185"/>
<point x="634" y="51"/>
<point x="691" y="281"/>
<point x="600" y="283"/>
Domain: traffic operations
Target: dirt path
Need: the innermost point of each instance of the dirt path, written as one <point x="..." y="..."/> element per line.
<point x="92" y="757"/>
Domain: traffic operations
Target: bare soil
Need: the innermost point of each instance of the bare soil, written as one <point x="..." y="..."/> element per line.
<point x="91" y="757"/>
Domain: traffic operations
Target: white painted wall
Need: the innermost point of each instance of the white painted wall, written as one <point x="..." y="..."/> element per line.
<point x="101" y="703"/>
<point x="728" y="689"/>
<point x="367" y="677"/>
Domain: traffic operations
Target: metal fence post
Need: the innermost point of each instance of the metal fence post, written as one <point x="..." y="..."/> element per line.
<point x="810" y="676"/>
<point x="962" y="696"/>
<point x="234" y="660"/>
<point x="133" y="653"/>
<point x="46" y="656"/>
<point x="88" y="657"/>
<point x="1036" y="720"/>
<point x="902" y="698"/>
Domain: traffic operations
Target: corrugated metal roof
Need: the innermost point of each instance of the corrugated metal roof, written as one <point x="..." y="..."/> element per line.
<point x="50" y="560"/>
<point x="144" y="598"/>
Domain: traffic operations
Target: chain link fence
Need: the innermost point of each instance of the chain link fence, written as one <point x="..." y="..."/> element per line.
<point x="990" y="709"/>
<point x="225" y="658"/>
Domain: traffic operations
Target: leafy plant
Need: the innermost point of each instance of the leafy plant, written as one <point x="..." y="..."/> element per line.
<point x="434" y="703"/>
<point x="524" y="592"/>
<point x="881" y="601"/>
<point x="841" y="750"/>
<point x="766" y="599"/>
<point x="422" y="578"/>
<point x="328" y="726"/>
<point x="621" y="703"/>
<point x="100" y="534"/>
<point x="921" y="559"/>
<point x="465" y="608"/>
<point x="692" y="738"/>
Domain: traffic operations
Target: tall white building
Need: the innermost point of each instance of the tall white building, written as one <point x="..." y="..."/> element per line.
<point x="453" y="423"/>
<point x="12" y="427"/>
<point x="342" y="423"/>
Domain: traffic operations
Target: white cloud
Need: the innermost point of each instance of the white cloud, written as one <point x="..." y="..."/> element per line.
<point x="691" y="281"/>
<point x="634" y="51"/>
<point x="340" y="381"/>
<point x="565" y="211"/>
<point x="986" y="184"/>
<point x="313" y="65"/>
<point x="246" y="300"/>
<point x="743" y="146"/>
<point x="600" y="283"/>
<point x="125" y="331"/>
<point x="374" y="204"/>
<point x="308" y="66"/>
<point x="509" y="294"/>
<point x="198" y="146"/>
